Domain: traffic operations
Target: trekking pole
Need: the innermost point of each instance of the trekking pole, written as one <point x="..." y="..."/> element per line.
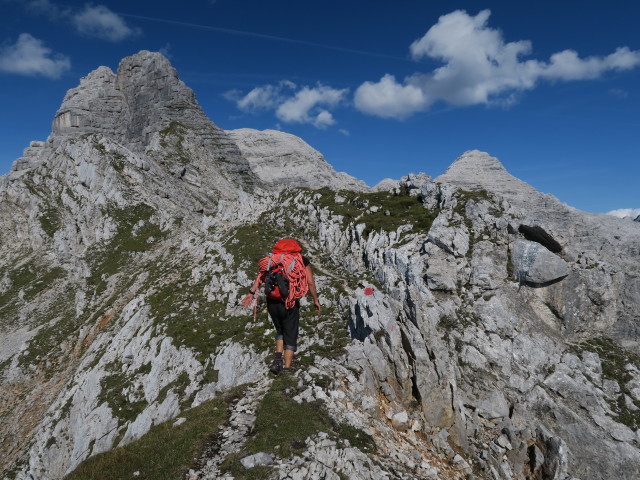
<point x="255" y="306"/>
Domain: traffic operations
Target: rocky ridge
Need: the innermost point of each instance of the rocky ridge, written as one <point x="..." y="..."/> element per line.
<point x="280" y="159"/>
<point x="473" y="327"/>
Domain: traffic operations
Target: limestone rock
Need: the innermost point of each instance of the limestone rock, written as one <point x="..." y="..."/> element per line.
<point x="257" y="460"/>
<point x="536" y="265"/>
<point x="281" y="159"/>
<point x="386" y="185"/>
<point x="130" y="235"/>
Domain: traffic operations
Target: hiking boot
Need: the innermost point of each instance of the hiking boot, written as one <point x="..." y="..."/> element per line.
<point x="287" y="371"/>
<point x="277" y="366"/>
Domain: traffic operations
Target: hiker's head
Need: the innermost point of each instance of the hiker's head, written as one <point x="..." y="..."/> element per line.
<point x="287" y="245"/>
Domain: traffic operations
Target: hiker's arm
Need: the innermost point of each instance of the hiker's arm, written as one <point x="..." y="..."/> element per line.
<point x="312" y="288"/>
<point x="248" y="298"/>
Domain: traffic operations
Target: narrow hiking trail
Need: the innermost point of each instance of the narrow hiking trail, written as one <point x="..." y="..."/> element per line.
<point x="231" y="436"/>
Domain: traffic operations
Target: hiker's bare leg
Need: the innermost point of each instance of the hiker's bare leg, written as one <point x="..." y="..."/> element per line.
<point x="288" y="358"/>
<point x="279" y="345"/>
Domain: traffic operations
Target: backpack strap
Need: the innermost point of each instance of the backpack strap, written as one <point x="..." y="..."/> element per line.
<point x="291" y="265"/>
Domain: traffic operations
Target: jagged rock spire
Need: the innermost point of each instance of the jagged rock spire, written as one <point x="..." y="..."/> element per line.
<point x="144" y="97"/>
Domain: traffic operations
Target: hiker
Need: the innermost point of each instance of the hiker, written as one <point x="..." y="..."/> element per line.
<point x="287" y="276"/>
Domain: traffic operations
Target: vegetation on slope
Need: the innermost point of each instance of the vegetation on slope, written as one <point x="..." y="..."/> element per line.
<point x="616" y="366"/>
<point x="282" y="426"/>
<point x="378" y="210"/>
<point x="164" y="453"/>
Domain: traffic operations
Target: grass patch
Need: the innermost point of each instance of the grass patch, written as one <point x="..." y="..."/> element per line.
<point x="378" y="210"/>
<point x="50" y="346"/>
<point x="173" y="136"/>
<point x="200" y="325"/>
<point x="180" y="306"/>
<point x="164" y="453"/>
<point x="116" y="390"/>
<point x="30" y="279"/>
<point x="49" y="220"/>
<point x="614" y="360"/>
<point x="283" y="425"/>
<point x="447" y="323"/>
<point x="135" y="233"/>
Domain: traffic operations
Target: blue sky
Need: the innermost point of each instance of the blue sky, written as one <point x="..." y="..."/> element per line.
<point x="380" y="88"/>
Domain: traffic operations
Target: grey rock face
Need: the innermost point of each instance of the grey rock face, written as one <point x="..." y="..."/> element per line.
<point x="280" y="159"/>
<point x="145" y="100"/>
<point x="130" y="235"/>
<point x="256" y="460"/>
<point x="536" y="265"/>
<point x="578" y="234"/>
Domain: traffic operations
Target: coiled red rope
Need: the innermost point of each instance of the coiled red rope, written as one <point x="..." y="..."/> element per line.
<point x="298" y="286"/>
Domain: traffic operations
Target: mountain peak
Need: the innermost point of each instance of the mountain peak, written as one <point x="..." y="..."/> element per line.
<point x="282" y="159"/>
<point x="482" y="166"/>
<point x="476" y="170"/>
<point x="145" y="96"/>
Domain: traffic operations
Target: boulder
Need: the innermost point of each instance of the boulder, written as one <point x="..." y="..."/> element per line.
<point x="534" y="264"/>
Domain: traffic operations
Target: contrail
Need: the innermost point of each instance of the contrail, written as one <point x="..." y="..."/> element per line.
<point x="231" y="31"/>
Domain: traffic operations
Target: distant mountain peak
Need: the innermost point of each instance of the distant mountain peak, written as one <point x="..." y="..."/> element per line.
<point x="143" y="97"/>
<point x="475" y="159"/>
<point x="279" y="158"/>
<point x="476" y="170"/>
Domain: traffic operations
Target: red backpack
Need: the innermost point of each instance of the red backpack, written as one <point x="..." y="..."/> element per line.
<point x="283" y="272"/>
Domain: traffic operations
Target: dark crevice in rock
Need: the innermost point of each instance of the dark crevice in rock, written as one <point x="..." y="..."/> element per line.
<point x="535" y="233"/>
<point x="542" y="285"/>
<point x="406" y="345"/>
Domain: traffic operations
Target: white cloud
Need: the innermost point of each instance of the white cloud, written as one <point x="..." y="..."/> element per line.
<point x="566" y="65"/>
<point x="265" y="98"/>
<point x="625" y="212"/>
<point x="478" y="67"/>
<point x="305" y="106"/>
<point x="344" y="132"/>
<point x="389" y="99"/>
<point x="166" y="51"/>
<point x="292" y="105"/>
<point x="29" y="56"/>
<point x="233" y="95"/>
<point x="98" y="21"/>
<point x="93" y="21"/>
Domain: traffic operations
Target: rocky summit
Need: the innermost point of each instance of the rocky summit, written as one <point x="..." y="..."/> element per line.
<point x="472" y="327"/>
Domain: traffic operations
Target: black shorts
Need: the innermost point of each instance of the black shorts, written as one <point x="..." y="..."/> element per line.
<point x="286" y="322"/>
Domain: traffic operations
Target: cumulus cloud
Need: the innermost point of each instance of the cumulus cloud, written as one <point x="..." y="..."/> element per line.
<point x="92" y="21"/>
<point x="29" y="56"/>
<point x="309" y="105"/>
<point x="625" y="212"/>
<point x="98" y="21"/>
<point x="387" y="98"/>
<point x="267" y="97"/>
<point x="479" y="67"/>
